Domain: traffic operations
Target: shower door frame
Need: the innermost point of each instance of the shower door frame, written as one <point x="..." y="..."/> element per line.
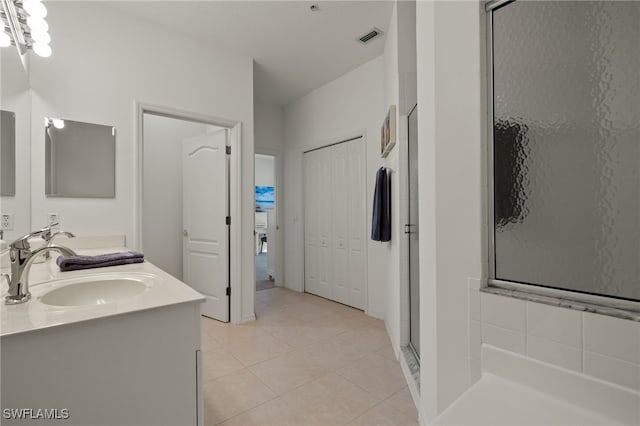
<point x="601" y="304"/>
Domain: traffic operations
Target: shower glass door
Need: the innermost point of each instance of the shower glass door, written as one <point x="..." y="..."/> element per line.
<point x="412" y="230"/>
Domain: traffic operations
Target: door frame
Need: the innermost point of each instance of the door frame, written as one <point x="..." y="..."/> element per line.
<point x="235" y="189"/>
<point x="406" y="264"/>
<point x="277" y="166"/>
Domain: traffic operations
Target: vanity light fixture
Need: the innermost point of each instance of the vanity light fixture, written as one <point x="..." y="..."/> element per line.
<point x="24" y="26"/>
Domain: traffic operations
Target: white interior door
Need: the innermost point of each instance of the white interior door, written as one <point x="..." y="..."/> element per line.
<point x="339" y="211"/>
<point x="311" y="239"/>
<point x="357" y="223"/>
<point x="205" y="209"/>
<point x="323" y="217"/>
<point x="335" y="223"/>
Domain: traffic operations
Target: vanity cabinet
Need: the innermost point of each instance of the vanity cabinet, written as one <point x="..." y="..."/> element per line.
<point x="138" y="368"/>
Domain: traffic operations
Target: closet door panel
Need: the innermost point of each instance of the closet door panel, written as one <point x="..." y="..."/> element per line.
<point x="311" y="237"/>
<point x="340" y="222"/>
<point x="324" y="224"/>
<point x="357" y="220"/>
<point x="335" y="223"/>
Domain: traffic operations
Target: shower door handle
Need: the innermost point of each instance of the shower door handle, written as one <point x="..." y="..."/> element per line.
<point x="407" y="228"/>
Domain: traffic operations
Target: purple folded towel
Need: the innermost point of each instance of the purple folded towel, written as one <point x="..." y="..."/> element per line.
<point x="72" y="263"/>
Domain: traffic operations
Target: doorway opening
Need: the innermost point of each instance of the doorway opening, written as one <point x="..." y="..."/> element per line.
<point x="188" y="192"/>
<point x="266" y="222"/>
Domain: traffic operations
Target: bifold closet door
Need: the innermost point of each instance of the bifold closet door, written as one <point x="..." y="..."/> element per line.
<point x="335" y="222"/>
<point x="317" y="222"/>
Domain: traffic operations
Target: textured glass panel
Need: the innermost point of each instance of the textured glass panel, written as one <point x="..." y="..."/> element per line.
<point x="566" y="145"/>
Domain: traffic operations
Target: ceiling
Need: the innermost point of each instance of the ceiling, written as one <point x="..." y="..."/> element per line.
<point x="295" y="50"/>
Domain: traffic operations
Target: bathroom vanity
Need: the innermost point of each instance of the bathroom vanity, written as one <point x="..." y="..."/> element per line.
<point x="107" y="346"/>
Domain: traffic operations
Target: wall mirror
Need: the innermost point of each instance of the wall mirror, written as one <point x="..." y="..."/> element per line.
<point x="7" y="153"/>
<point x="15" y="144"/>
<point x="79" y="159"/>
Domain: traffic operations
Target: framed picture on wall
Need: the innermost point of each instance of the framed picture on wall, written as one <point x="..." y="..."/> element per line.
<point x="265" y="198"/>
<point x="388" y="132"/>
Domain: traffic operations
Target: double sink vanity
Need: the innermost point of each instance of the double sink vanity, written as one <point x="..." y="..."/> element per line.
<point x="116" y="346"/>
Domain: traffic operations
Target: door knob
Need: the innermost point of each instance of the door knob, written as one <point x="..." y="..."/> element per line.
<point x="185" y="232"/>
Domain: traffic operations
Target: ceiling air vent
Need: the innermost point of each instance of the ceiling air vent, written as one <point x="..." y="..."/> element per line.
<point x="366" y="38"/>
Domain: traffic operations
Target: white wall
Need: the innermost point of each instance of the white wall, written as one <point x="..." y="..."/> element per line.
<point x="393" y="317"/>
<point x="269" y="126"/>
<point x="451" y="210"/>
<point x="350" y="104"/>
<point x="400" y="90"/>
<point x="103" y="62"/>
<point x="162" y="189"/>
<point x="16" y="97"/>
<point x="265" y="170"/>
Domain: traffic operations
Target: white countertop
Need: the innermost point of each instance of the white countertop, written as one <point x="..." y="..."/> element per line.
<point x="34" y="315"/>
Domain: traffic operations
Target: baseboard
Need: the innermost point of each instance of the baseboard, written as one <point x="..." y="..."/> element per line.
<point x="248" y="318"/>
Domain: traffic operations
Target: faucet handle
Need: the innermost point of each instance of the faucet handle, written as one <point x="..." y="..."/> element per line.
<point x="23" y="242"/>
<point x="47" y="233"/>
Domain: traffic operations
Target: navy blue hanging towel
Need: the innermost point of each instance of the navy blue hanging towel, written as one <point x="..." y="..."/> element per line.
<point x="381" y="221"/>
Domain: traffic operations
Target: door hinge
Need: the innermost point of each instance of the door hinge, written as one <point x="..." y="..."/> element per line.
<point x="228" y="291"/>
<point x="228" y="150"/>
<point x="228" y="220"/>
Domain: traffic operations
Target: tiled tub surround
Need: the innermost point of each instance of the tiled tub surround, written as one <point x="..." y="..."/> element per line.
<point x="519" y="390"/>
<point x="600" y="346"/>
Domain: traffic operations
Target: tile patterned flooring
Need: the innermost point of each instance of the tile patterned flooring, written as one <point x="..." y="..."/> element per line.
<point x="304" y="361"/>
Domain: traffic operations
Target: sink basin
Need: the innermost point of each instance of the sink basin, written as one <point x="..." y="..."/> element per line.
<point x="94" y="292"/>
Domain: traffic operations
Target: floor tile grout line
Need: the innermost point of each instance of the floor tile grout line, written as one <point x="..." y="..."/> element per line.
<point x="362" y="388"/>
<point x="355" y="323"/>
<point x="412" y="403"/>
<point x="277" y="396"/>
<point x="377" y="404"/>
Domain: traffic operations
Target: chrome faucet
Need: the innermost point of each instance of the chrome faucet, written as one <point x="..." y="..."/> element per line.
<point x="48" y="237"/>
<point x="22" y="258"/>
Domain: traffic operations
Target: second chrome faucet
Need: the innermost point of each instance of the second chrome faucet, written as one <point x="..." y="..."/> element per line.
<point x="22" y="258"/>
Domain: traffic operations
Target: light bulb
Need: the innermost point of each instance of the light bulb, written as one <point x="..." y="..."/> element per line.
<point x="41" y="37"/>
<point x="42" y="49"/>
<point x="5" y="40"/>
<point x="37" y="24"/>
<point x="35" y="8"/>
<point x="58" y="123"/>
